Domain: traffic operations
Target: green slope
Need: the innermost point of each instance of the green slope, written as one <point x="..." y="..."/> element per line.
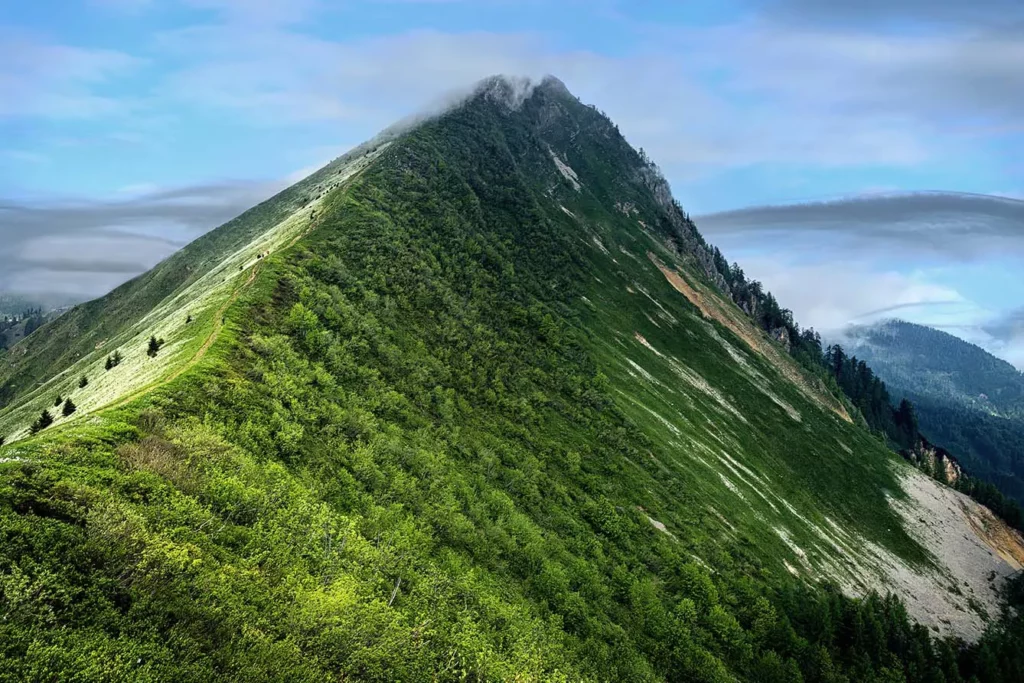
<point x="181" y="301"/>
<point x="460" y="426"/>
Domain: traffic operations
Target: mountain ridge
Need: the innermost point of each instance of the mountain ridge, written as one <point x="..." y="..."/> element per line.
<point x="460" y="425"/>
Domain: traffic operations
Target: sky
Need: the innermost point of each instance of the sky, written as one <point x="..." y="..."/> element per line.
<point x="861" y="159"/>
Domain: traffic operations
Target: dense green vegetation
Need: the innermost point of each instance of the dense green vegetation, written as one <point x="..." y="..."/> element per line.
<point x="420" y="450"/>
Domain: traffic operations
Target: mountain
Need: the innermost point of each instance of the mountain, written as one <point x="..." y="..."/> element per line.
<point x="16" y="304"/>
<point x="21" y="315"/>
<point x="966" y="399"/>
<point x="933" y="363"/>
<point x="470" y="403"/>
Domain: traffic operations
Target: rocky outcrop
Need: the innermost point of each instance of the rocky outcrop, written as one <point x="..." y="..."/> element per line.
<point x="781" y="335"/>
<point x="749" y="306"/>
<point x="936" y="461"/>
<point x="687" y="240"/>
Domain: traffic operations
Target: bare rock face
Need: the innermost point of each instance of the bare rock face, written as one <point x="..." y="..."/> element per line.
<point x="688" y="240"/>
<point x="781" y="335"/>
<point x="749" y="306"/>
<point x="974" y="554"/>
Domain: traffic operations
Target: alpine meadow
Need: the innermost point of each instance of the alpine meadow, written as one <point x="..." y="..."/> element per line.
<point x="474" y="402"/>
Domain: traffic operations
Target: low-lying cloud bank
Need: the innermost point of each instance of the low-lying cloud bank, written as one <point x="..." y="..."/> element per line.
<point x="82" y="249"/>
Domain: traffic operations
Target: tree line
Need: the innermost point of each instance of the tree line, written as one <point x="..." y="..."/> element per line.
<point x="853" y="377"/>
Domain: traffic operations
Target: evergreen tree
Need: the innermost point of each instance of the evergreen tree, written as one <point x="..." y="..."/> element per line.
<point x="57" y="401"/>
<point x="83" y="383"/>
<point x="69" y="408"/>
<point x="154" y="346"/>
<point x="42" y="422"/>
<point x="906" y="423"/>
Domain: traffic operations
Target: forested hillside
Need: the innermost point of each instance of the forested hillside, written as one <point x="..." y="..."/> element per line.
<point x="966" y="399"/>
<point x="933" y="363"/>
<point x="470" y="406"/>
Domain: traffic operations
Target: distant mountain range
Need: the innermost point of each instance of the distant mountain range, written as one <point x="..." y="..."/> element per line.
<point x="967" y="400"/>
<point x="16" y="304"/>
<point x="21" y="315"/>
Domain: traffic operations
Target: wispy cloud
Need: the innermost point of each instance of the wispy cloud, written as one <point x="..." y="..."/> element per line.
<point x="47" y="80"/>
<point x="829" y="296"/>
<point x="1007" y="331"/>
<point x="85" y="249"/>
<point x="958" y="226"/>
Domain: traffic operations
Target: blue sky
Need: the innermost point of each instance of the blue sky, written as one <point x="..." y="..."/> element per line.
<point x="122" y="120"/>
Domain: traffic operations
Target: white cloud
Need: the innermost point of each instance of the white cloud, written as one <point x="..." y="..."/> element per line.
<point x="760" y="91"/>
<point x="830" y="295"/>
<point x="699" y="99"/>
<point x="41" y="79"/>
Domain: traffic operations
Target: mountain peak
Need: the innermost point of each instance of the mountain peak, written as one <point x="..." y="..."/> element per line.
<point x="512" y="91"/>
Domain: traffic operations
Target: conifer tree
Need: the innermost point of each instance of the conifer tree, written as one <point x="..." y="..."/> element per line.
<point x="42" y="422"/>
<point x="69" y="408"/>
<point x="154" y="346"/>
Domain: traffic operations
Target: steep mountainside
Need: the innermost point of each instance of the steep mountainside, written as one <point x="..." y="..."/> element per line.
<point x="966" y="399"/>
<point x="465" y="405"/>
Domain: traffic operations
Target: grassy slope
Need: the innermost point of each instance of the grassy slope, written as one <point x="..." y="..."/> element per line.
<point x="197" y="282"/>
<point x="424" y="445"/>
